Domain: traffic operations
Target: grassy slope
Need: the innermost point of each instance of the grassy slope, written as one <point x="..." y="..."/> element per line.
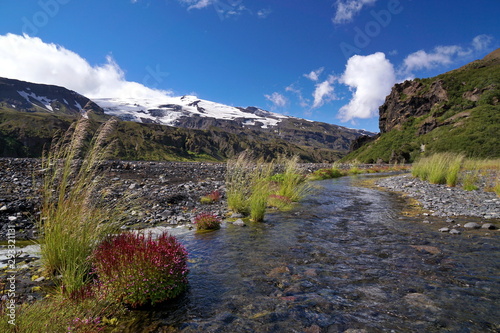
<point x="24" y="134"/>
<point x="469" y="127"/>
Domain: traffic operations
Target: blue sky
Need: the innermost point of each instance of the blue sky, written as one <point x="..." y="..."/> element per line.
<point x="326" y="60"/>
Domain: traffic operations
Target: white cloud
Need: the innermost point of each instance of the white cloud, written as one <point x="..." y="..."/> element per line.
<point x="303" y="102"/>
<point x="264" y="13"/>
<point x="277" y="99"/>
<point x="314" y="75"/>
<point x="225" y="9"/>
<point x="196" y="4"/>
<point x="445" y="55"/>
<point x="371" y="79"/>
<point x="481" y="42"/>
<point x="324" y="92"/>
<point x="30" y="59"/>
<point x="346" y="9"/>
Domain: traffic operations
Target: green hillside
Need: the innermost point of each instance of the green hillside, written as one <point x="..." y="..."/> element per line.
<point x="458" y="111"/>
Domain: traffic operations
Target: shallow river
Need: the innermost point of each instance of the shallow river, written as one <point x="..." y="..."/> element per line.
<point x="344" y="259"/>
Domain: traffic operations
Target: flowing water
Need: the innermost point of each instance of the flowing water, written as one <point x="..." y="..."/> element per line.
<point x="344" y="259"/>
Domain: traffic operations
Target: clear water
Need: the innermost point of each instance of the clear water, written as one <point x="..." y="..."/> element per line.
<point x="344" y="259"/>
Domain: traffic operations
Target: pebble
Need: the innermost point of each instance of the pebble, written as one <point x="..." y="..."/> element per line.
<point x="446" y="201"/>
<point x="455" y="232"/>
<point x="160" y="193"/>
<point x="472" y="225"/>
<point x="239" y="223"/>
<point x="489" y="226"/>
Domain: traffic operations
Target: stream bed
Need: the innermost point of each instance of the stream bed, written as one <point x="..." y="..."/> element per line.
<point x="344" y="260"/>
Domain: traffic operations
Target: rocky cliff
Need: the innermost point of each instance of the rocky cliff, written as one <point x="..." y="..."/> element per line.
<point x="456" y="111"/>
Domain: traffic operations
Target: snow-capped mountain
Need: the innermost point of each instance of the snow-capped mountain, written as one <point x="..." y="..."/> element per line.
<point x="169" y="125"/>
<point x="32" y="97"/>
<point x="173" y="110"/>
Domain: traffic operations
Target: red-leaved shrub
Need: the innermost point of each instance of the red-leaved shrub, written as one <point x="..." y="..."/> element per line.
<point x="138" y="270"/>
<point x="207" y="221"/>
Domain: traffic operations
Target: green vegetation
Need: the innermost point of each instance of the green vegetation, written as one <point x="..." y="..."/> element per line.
<point x="211" y="198"/>
<point x="24" y="134"/>
<point x="96" y="273"/>
<point x="239" y="183"/>
<point x="452" y="169"/>
<point x="291" y="184"/>
<point x="250" y="184"/>
<point x="355" y="169"/>
<point x="467" y="122"/>
<point x="60" y="314"/>
<point x="75" y="216"/>
<point x="326" y="174"/>
<point x="440" y="168"/>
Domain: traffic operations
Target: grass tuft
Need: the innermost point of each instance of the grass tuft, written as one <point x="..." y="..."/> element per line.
<point x="75" y="216"/>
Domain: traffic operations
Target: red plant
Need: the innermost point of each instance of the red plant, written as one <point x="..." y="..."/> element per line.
<point x="138" y="270"/>
<point x="281" y="198"/>
<point x="207" y="221"/>
<point x="214" y="196"/>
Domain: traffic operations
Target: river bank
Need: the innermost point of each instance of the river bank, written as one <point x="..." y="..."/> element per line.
<point x="451" y="203"/>
<point x="325" y="266"/>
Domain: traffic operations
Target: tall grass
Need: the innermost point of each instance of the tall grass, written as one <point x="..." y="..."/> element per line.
<point x="250" y="183"/>
<point x="75" y="216"/>
<point x="292" y="183"/>
<point x="239" y="183"/>
<point x="440" y="168"/>
<point x="261" y="189"/>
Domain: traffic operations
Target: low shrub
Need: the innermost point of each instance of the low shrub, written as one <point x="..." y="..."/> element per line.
<point x="210" y="198"/>
<point x="207" y="221"/>
<point x="138" y="270"/>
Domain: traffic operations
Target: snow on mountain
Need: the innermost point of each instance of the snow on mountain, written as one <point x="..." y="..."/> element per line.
<point x="42" y="100"/>
<point x="169" y="110"/>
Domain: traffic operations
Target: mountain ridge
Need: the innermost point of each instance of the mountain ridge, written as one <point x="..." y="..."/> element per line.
<point x="184" y="128"/>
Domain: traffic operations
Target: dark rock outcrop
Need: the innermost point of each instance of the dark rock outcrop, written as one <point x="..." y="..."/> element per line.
<point x="410" y="99"/>
<point x="33" y="97"/>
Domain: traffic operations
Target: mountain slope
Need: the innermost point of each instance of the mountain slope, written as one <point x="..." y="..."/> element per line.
<point x="458" y="111"/>
<point x="195" y="113"/>
<point x="173" y="128"/>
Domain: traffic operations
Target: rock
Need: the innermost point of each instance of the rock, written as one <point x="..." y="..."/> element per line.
<point x="313" y="329"/>
<point x="472" y="225"/>
<point x="421" y="301"/>
<point x="239" y="223"/>
<point x="427" y="248"/>
<point x="455" y="232"/>
<point x="306" y="284"/>
<point x="236" y="216"/>
<point x="489" y="226"/>
<point x="3" y="208"/>
<point x="444" y="229"/>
